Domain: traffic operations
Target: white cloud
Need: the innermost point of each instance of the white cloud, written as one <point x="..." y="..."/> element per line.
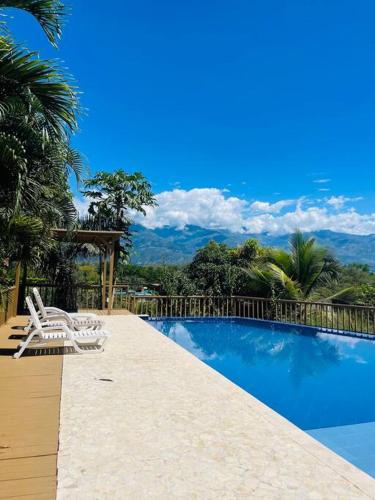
<point x="324" y="190"/>
<point x="206" y="207"/>
<point x="212" y="208"/>
<point x="265" y="206"/>
<point x="321" y="181"/>
<point x="338" y="202"/>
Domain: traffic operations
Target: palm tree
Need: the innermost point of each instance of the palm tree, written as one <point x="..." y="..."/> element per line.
<point x="49" y="14"/>
<point x="38" y="113"/>
<point x="114" y="198"/>
<point x="26" y="79"/>
<point x="38" y="109"/>
<point x="34" y="192"/>
<point x="29" y="81"/>
<point x="294" y="274"/>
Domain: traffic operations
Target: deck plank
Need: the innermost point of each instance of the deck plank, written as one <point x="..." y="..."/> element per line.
<point x="30" y="391"/>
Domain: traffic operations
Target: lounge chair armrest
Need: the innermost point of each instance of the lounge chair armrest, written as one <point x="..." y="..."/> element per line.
<point x="52" y="325"/>
<point x="55" y="310"/>
<point x="60" y="315"/>
<point x="55" y="327"/>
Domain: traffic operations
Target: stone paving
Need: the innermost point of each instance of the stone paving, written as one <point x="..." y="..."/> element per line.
<point x="146" y="419"/>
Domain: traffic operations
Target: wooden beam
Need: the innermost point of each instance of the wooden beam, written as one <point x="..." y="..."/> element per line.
<point x="111" y="271"/>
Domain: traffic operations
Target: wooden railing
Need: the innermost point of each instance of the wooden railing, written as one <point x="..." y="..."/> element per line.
<point x="82" y="297"/>
<point x="8" y="304"/>
<point x="336" y="317"/>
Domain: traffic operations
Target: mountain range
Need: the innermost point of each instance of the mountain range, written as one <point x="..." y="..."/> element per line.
<point x="169" y="245"/>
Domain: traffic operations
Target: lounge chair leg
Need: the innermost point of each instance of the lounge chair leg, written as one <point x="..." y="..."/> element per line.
<point x="24" y="344"/>
<point x="100" y="346"/>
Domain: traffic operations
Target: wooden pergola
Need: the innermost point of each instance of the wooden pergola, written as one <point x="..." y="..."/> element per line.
<point x="104" y="241"/>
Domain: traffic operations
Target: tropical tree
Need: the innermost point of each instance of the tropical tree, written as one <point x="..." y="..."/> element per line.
<point x="34" y="193"/>
<point x="297" y="273"/>
<point x="49" y="14"/>
<point x="247" y="253"/>
<point x="175" y="281"/>
<point x="38" y="112"/>
<point x="114" y="199"/>
<point x="217" y="269"/>
<point x="25" y="79"/>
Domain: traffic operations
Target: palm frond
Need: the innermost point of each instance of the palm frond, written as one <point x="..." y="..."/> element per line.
<point x="270" y="280"/>
<point x="49" y="14"/>
<point x="25" y="77"/>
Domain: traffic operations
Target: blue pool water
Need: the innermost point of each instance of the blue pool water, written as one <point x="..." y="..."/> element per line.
<point x="321" y="382"/>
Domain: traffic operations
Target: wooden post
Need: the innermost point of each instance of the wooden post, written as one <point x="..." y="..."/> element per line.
<point x="104" y="279"/>
<point x="22" y="291"/>
<point x="111" y="270"/>
<point x="17" y="288"/>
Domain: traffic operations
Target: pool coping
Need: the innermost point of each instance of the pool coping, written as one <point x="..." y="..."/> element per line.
<point x="316" y="329"/>
<point x="171" y="426"/>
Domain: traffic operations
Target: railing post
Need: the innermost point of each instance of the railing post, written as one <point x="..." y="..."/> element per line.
<point x="111" y="271"/>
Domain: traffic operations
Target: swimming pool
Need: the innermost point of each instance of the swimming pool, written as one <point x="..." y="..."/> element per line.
<point x="321" y="382"/>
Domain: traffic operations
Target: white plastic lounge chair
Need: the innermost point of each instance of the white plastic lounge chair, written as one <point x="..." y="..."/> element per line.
<point x="58" y="330"/>
<point x="75" y="321"/>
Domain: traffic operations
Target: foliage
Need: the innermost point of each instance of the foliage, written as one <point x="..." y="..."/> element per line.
<point x="294" y="274"/>
<point x="87" y="273"/>
<point x="140" y="275"/>
<point x="28" y="81"/>
<point x="363" y="295"/>
<point x="176" y="282"/>
<point x="217" y="269"/>
<point x="38" y="111"/>
<point x="114" y="197"/>
<point x="34" y="190"/>
<point x="354" y="285"/>
<point x="249" y="269"/>
<point x="49" y="14"/>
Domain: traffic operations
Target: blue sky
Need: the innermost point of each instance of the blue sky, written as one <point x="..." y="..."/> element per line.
<point x="254" y="101"/>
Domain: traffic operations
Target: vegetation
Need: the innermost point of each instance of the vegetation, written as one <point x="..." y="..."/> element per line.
<point x="294" y="274"/>
<point x="38" y="113"/>
<point x="113" y="197"/>
<point x="307" y="271"/>
<point x="252" y="270"/>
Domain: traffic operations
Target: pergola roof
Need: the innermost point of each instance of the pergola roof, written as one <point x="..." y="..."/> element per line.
<point x="87" y="236"/>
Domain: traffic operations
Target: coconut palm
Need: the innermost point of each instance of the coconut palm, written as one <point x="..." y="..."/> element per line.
<point x="34" y="192"/>
<point x="49" y="14"/>
<point x="31" y="161"/>
<point x="29" y="81"/>
<point x="38" y="109"/>
<point x="294" y="274"/>
<point x="26" y="79"/>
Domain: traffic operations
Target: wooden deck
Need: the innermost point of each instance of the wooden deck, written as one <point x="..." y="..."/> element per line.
<point x="30" y="390"/>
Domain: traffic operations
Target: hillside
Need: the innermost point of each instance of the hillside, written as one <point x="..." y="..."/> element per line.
<point x="177" y="246"/>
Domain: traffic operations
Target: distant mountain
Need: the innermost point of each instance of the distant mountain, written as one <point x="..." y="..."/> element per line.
<point x="169" y="245"/>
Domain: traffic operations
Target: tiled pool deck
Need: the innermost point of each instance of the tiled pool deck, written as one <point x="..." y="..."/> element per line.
<point x="146" y="419"/>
